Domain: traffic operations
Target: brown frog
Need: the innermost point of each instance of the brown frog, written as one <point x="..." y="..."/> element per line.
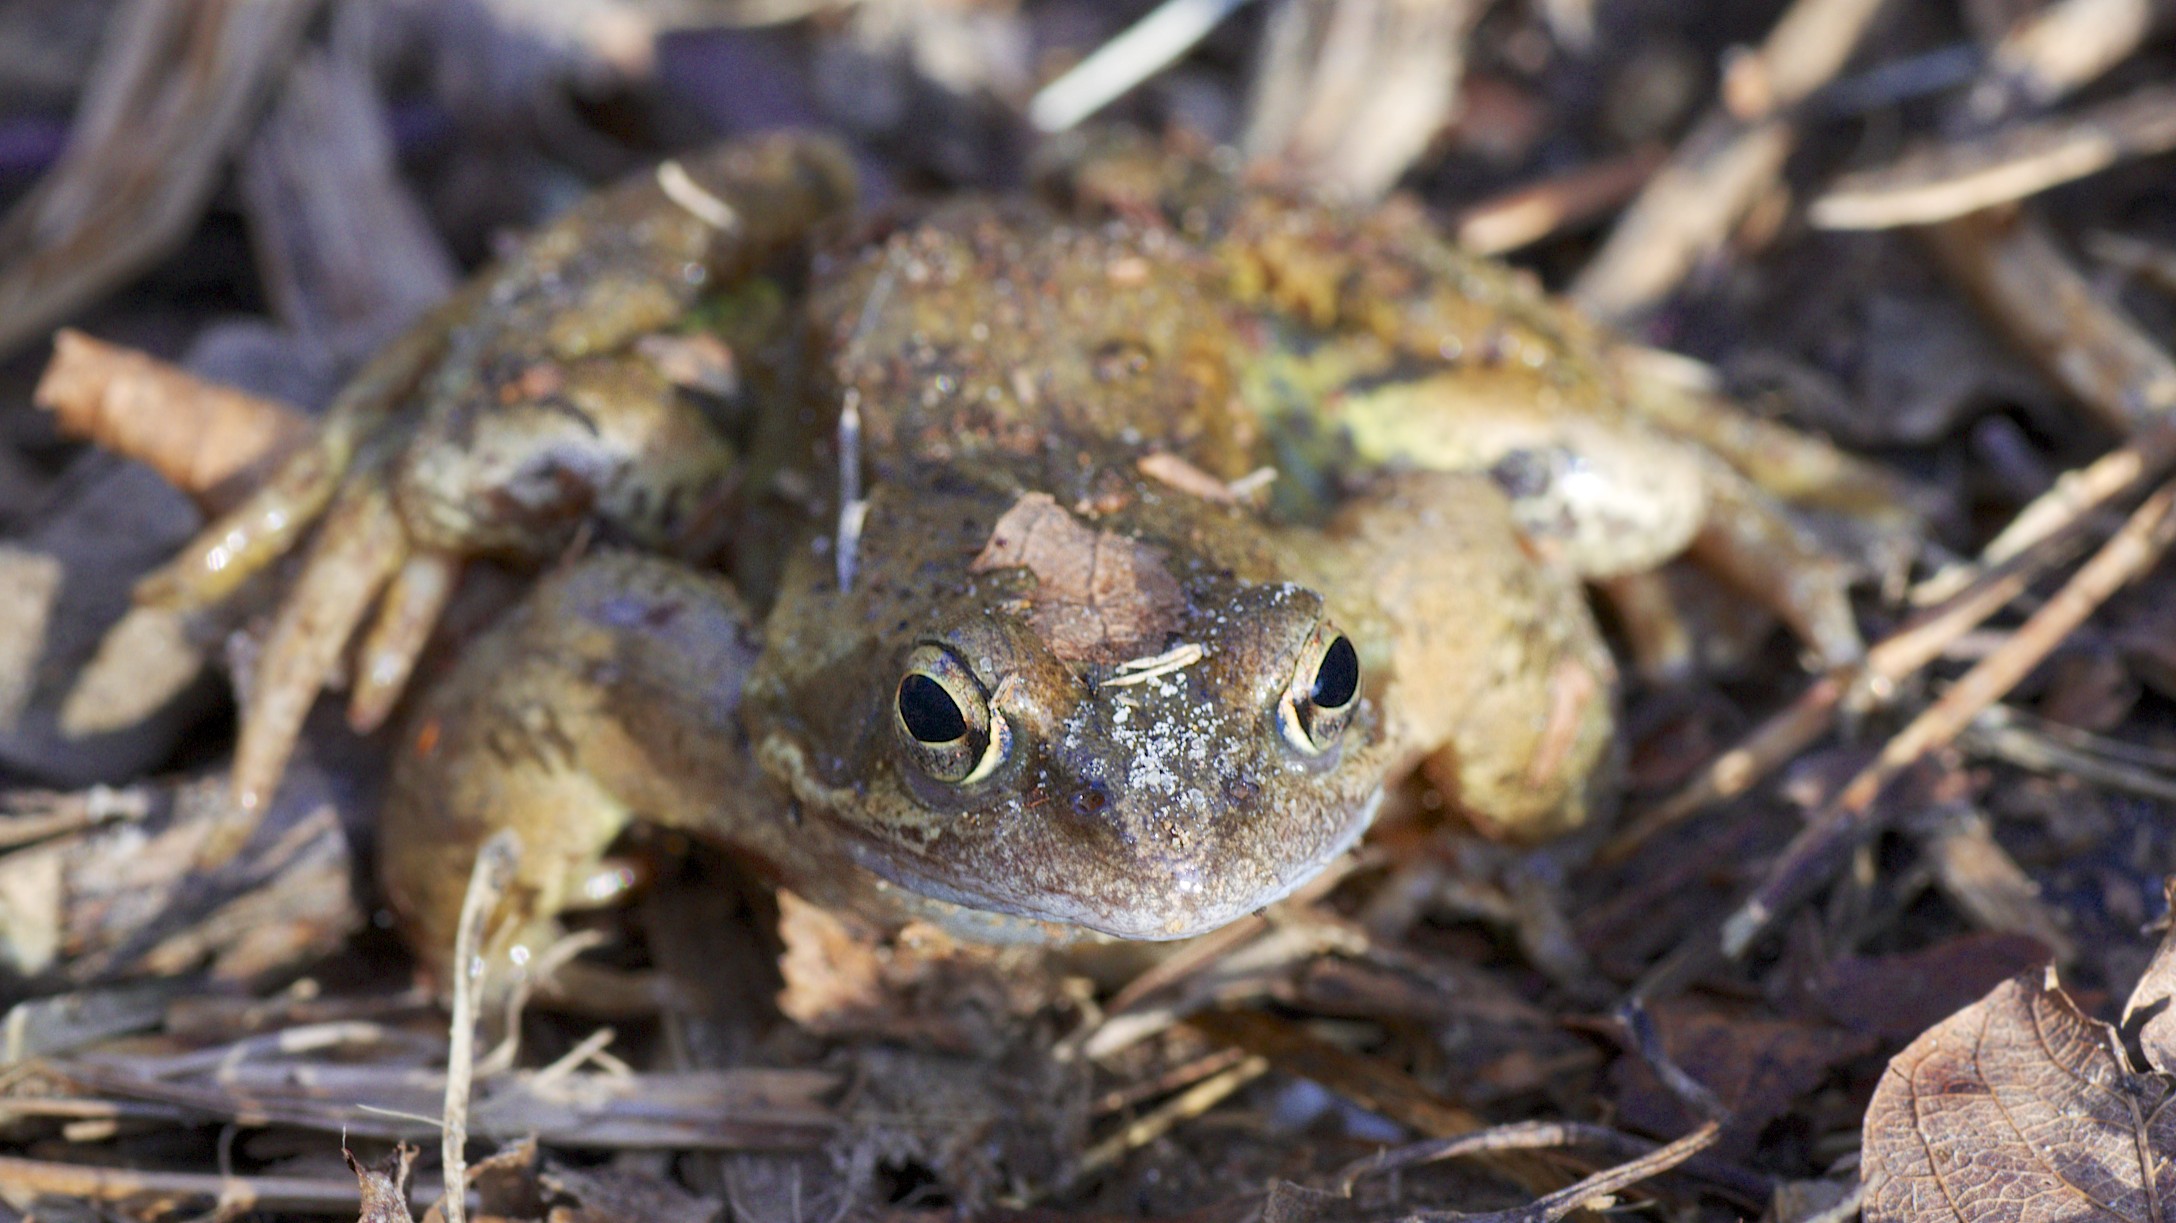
<point x="1090" y="564"/>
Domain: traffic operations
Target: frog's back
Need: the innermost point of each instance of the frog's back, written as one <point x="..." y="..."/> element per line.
<point x="1001" y="333"/>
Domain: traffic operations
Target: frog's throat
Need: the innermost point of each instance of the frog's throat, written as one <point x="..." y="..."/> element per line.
<point x="1054" y="920"/>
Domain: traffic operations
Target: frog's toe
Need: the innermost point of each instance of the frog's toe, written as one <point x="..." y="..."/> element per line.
<point x="406" y="617"/>
<point x="1797" y="468"/>
<point x="358" y="549"/>
<point x="1747" y="542"/>
<point x="249" y="537"/>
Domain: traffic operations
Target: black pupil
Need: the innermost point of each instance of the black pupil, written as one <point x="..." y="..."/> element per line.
<point x="929" y="712"/>
<point x="1337" y="679"/>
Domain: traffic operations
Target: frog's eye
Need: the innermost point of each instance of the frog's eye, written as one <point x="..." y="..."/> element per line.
<point x="1325" y="689"/>
<point x="945" y="723"/>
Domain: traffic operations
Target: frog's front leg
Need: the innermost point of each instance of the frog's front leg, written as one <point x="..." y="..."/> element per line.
<point x="1489" y="670"/>
<point x="611" y="693"/>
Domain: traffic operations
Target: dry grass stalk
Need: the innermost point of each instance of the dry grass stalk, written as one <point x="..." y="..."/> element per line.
<point x="1943" y="181"/>
<point x="1725" y="164"/>
<point x="26" y="1178"/>
<point x="2074" y="495"/>
<point x="1849" y="817"/>
<point x="1889" y="662"/>
<point x="169" y="99"/>
<point x="1530" y="214"/>
<point x="488" y="881"/>
<point x="1147" y="1128"/>
<point x="394" y="1100"/>
<point x="2066" y="44"/>
<point x="1114" y="69"/>
<point x="1372" y="1084"/>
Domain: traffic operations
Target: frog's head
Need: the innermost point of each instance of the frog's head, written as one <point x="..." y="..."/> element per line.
<point x="1177" y="747"/>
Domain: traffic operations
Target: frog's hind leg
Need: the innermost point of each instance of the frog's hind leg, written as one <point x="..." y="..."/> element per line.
<point x="610" y="694"/>
<point x="1529" y="392"/>
<point x="502" y="424"/>
<point x="1748" y="542"/>
<point x="1609" y="496"/>
<point x="1796" y="468"/>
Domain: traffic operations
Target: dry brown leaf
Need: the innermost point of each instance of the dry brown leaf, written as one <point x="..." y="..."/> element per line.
<point x="1757" y="1067"/>
<point x="1099" y="596"/>
<point x="2155" y="997"/>
<point x="1896" y="997"/>
<point x="203" y="437"/>
<point x="623" y="1195"/>
<point x="2019" y="1107"/>
<point x="385" y="1186"/>
<point x="920" y="986"/>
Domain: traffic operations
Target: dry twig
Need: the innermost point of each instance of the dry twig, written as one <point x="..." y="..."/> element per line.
<point x="1724" y="165"/>
<point x="1535" y="1136"/>
<point x="2024" y="282"/>
<point x="26" y="1178"/>
<point x="2062" y="46"/>
<point x="1851" y="816"/>
<point x="168" y="100"/>
<point x="1943" y="181"/>
<point x="1530" y="214"/>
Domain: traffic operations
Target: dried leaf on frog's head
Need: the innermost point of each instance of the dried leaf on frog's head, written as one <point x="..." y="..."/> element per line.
<point x="1099" y="597"/>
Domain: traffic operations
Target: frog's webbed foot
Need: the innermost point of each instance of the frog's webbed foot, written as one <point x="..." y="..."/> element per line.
<point x="1800" y="469"/>
<point x="1748" y="542"/>
<point x="247" y="539"/>
<point x="526" y="409"/>
<point x="357" y="550"/>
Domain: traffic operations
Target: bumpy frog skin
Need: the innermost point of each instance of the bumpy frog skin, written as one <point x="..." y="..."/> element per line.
<point x="1034" y="665"/>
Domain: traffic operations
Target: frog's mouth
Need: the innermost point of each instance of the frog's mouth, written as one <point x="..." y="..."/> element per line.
<point x="1156" y="904"/>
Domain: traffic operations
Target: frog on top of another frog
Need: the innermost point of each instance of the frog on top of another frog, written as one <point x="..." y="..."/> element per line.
<point x="1085" y="564"/>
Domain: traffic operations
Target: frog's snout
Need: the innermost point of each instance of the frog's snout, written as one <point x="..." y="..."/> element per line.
<point x="1183" y="819"/>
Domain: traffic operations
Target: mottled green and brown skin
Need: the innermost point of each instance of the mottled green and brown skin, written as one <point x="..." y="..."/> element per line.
<point x="1027" y="377"/>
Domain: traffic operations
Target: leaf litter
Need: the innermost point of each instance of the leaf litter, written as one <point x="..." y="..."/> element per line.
<point x="1519" y="1034"/>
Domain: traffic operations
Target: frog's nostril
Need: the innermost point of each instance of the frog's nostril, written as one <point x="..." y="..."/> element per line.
<point x="1242" y="792"/>
<point x="1091" y="799"/>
